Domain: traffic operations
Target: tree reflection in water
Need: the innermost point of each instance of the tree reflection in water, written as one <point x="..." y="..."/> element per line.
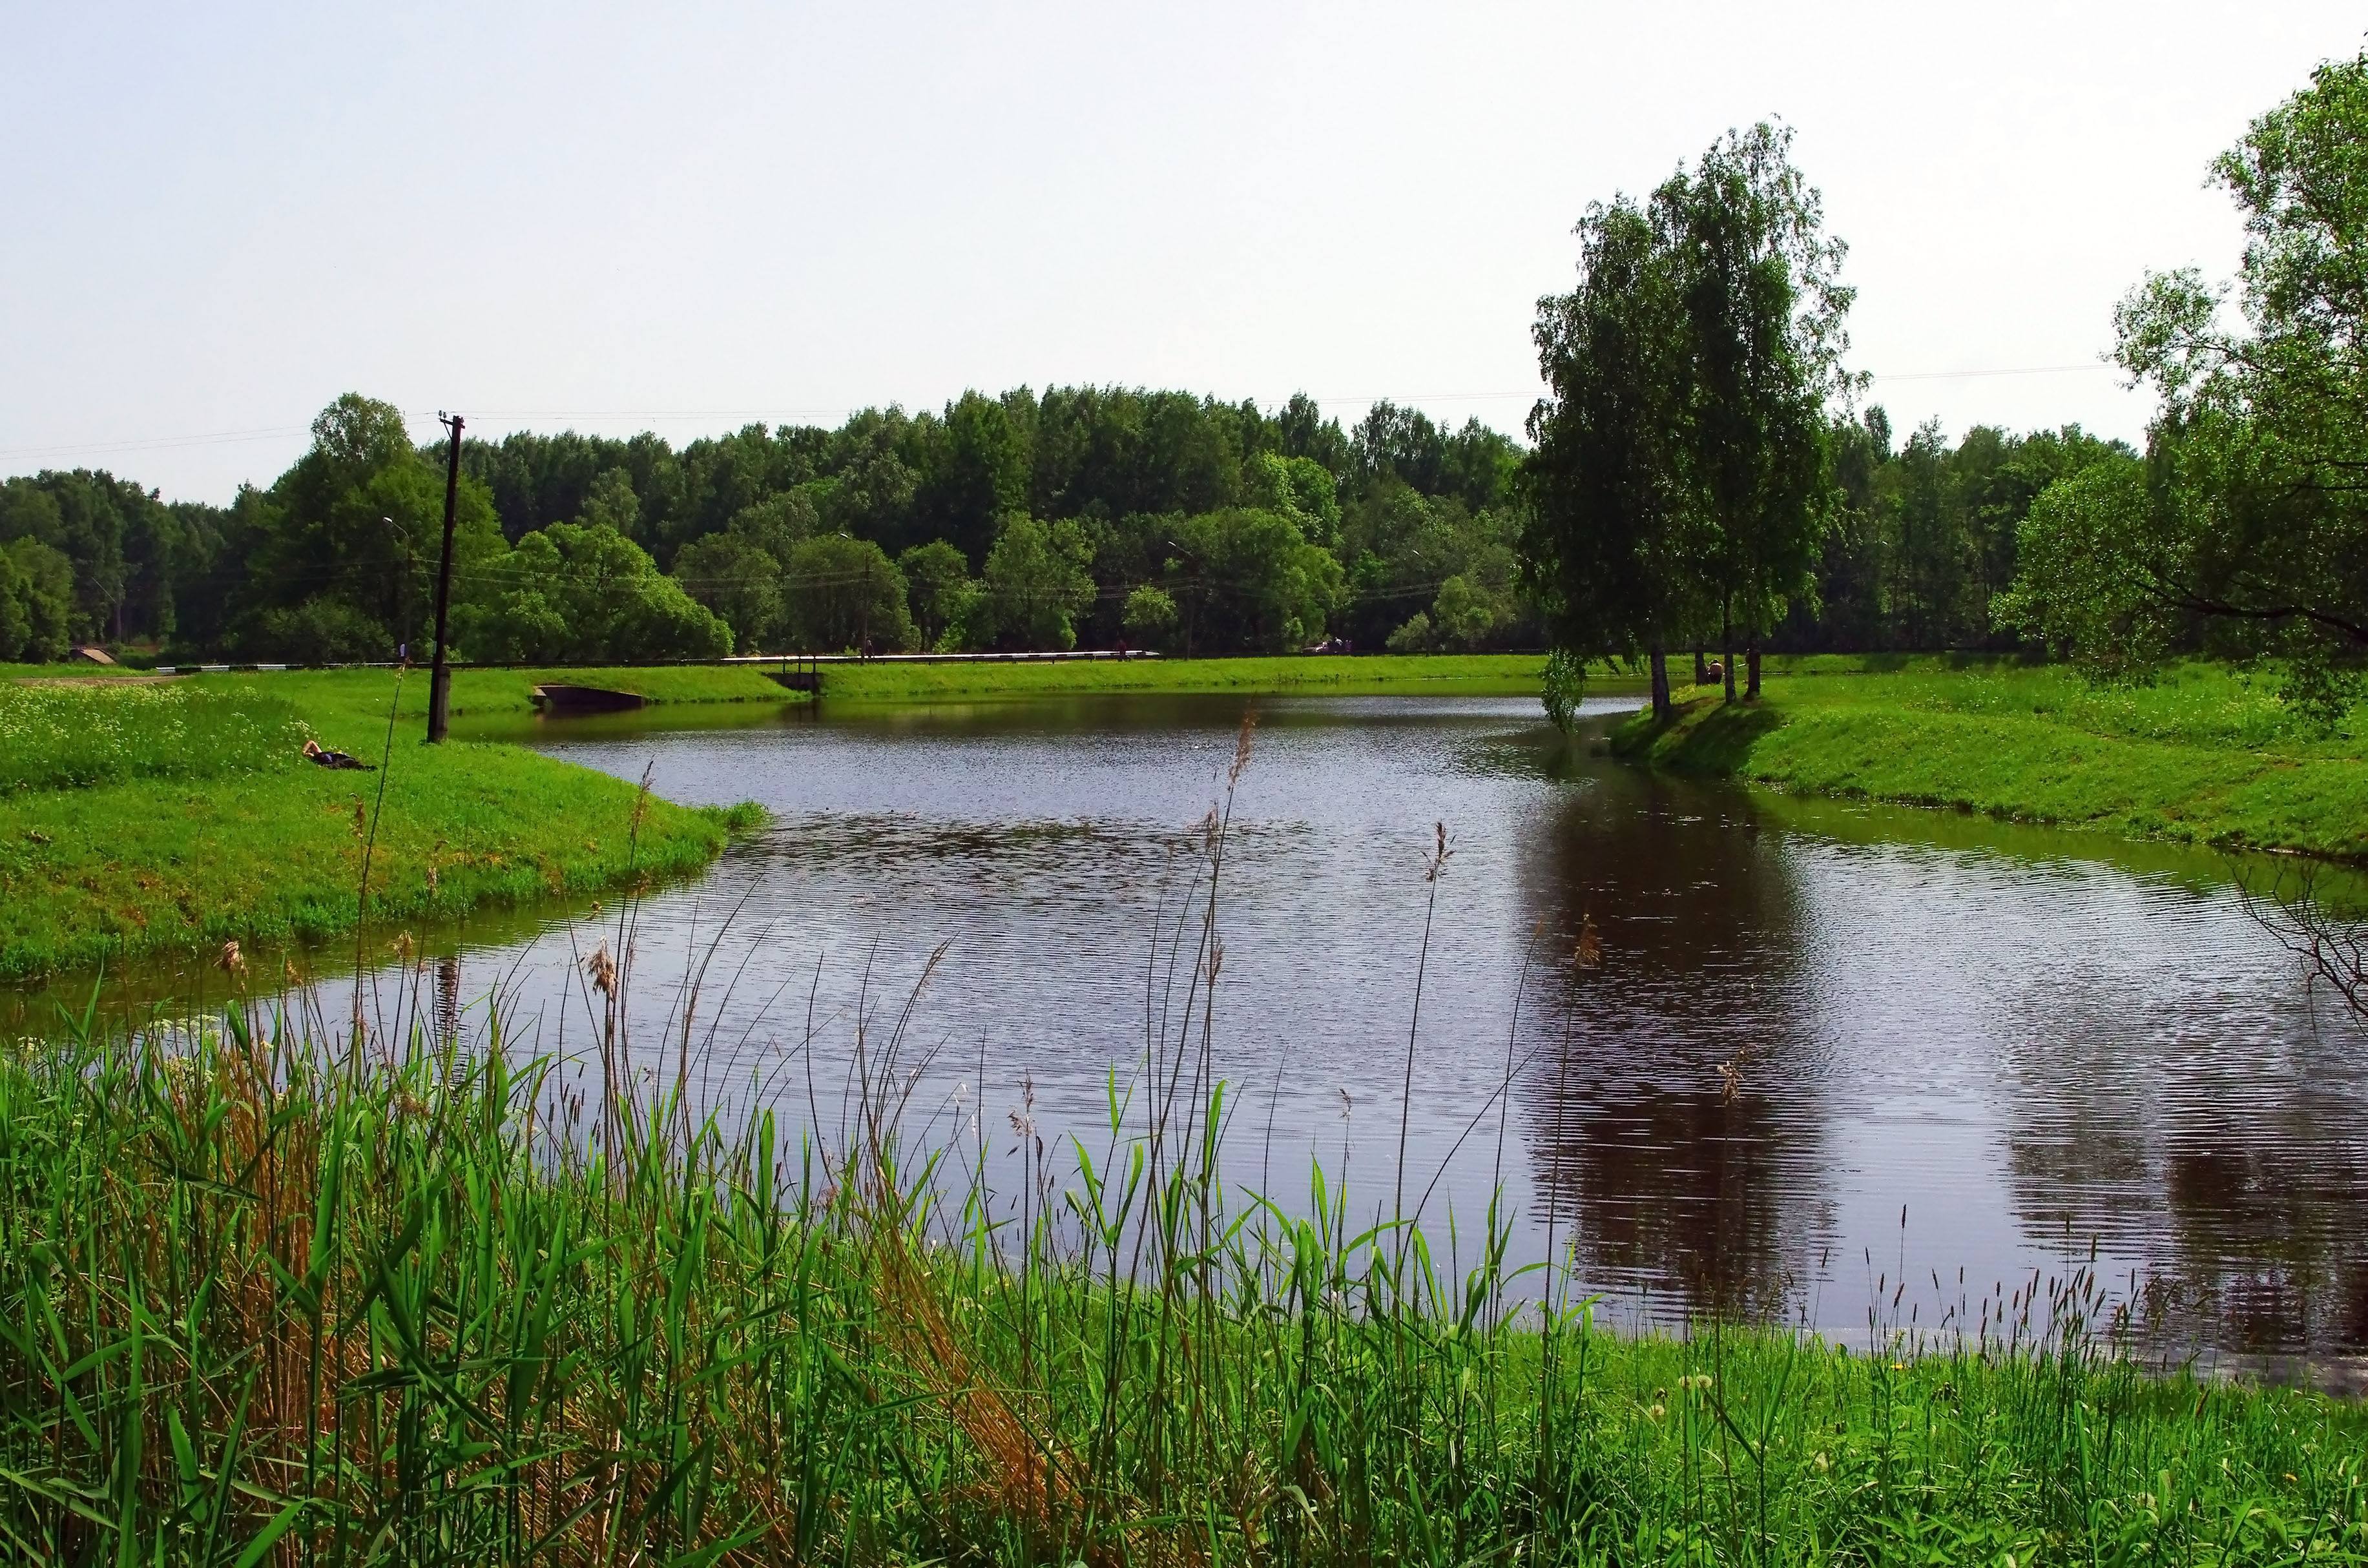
<point x="1665" y="1179"/>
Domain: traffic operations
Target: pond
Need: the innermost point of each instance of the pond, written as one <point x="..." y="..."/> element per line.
<point x="1833" y="1064"/>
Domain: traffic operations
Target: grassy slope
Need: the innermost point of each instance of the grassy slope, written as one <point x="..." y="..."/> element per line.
<point x="272" y="852"/>
<point x="2207" y="756"/>
<point x="1472" y="672"/>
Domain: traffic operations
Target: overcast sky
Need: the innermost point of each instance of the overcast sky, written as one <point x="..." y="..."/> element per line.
<point x="216" y="219"/>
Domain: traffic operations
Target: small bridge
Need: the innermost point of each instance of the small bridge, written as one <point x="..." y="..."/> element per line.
<point x="800" y="673"/>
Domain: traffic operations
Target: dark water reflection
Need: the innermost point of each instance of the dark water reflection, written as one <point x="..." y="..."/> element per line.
<point x="1829" y="1054"/>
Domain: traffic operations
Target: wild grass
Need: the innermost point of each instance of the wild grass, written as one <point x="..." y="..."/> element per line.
<point x="263" y="1302"/>
<point x="276" y="1290"/>
<point x="2207" y="755"/>
<point x="71" y="736"/>
<point x="194" y="822"/>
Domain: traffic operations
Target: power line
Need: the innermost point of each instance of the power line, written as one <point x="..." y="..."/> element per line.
<point x="2017" y="370"/>
<point x="217" y="437"/>
<point x="677" y="415"/>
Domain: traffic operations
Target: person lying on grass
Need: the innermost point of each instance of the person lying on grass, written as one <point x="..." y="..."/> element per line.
<point x="313" y="753"/>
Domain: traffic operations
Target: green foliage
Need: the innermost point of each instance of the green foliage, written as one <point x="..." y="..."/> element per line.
<point x="1248" y="580"/>
<point x="1125" y="465"/>
<point x="1562" y="688"/>
<point x="611" y="502"/>
<point x="741" y="581"/>
<point x="1403" y="546"/>
<point x="335" y="561"/>
<point x="2252" y="531"/>
<point x="1416" y="636"/>
<point x="131" y="560"/>
<point x="1761" y="309"/>
<point x="322" y="629"/>
<point x="1151" y="615"/>
<point x="1610" y="550"/>
<point x="340" y="555"/>
<point x="36" y="609"/>
<point x="1038" y="581"/>
<point x="776" y="524"/>
<point x="573" y="592"/>
<point x="2082" y="555"/>
<point x="1924" y="538"/>
<point x="1300" y="488"/>
<point x="936" y="579"/>
<point x="1475" y="465"/>
<point x="843" y="593"/>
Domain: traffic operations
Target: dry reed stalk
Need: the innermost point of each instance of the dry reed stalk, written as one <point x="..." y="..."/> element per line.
<point x="1031" y="1484"/>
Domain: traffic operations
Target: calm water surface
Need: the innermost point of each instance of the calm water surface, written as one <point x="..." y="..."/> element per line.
<point x="1826" y="1053"/>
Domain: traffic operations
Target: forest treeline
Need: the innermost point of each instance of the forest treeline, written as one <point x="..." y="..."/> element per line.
<point x="1080" y="517"/>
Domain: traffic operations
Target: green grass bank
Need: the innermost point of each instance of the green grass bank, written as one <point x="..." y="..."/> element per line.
<point x="140" y="817"/>
<point x="1468" y="673"/>
<point x="2207" y="755"/>
<point x="262" y="1305"/>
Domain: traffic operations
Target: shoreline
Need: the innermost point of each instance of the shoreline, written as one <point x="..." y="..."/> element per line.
<point x="2206" y="759"/>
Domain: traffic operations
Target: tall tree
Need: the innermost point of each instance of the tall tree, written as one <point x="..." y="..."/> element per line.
<point x="1037" y="582"/>
<point x="936" y="579"/>
<point x="1611" y="548"/>
<point x="1761" y="307"/>
<point x="341" y="559"/>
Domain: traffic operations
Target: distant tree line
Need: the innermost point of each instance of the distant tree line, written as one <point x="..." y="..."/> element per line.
<point x="1154" y="519"/>
<point x="1921" y="540"/>
<point x="1083" y="515"/>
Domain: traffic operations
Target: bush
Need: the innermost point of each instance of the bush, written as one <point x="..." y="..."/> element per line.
<point x="575" y="593"/>
<point x="845" y="592"/>
<point x="1150" y="614"/>
<point x="321" y="630"/>
<point x="1036" y="585"/>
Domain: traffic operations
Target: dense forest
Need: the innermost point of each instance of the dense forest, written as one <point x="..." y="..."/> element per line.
<point x="1080" y="517"/>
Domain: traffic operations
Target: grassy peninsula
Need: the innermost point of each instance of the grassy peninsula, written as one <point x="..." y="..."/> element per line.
<point x="146" y="817"/>
<point x="2206" y="755"/>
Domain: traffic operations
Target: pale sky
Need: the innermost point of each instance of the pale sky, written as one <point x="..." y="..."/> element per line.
<point x="214" y="220"/>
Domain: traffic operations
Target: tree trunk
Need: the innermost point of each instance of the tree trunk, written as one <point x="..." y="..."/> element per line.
<point x="1752" y="694"/>
<point x="1727" y="648"/>
<point x="1663" y="708"/>
<point x="1702" y="668"/>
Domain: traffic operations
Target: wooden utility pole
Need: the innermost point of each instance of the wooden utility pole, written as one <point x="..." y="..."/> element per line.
<point x="440" y="673"/>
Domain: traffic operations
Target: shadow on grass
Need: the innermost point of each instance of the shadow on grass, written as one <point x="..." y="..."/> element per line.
<point x="1705" y="735"/>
